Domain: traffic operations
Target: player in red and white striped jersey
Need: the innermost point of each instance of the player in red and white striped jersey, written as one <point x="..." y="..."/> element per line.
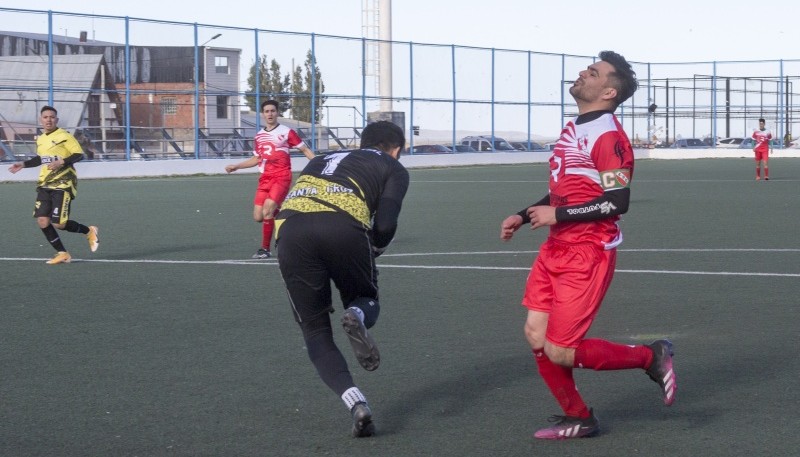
<point x="271" y="155"/>
<point x="590" y="174"/>
<point x="762" y="149"/>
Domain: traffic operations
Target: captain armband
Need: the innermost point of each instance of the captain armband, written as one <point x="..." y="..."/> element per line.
<point x="615" y="179"/>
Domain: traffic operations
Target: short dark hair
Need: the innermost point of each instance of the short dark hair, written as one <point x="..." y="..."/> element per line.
<point x="383" y="135"/>
<point x="762" y="120"/>
<point x="623" y="77"/>
<point x="270" y="102"/>
<point x="48" y="108"/>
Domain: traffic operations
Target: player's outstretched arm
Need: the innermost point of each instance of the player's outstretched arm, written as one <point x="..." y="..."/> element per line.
<point x="251" y="162"/>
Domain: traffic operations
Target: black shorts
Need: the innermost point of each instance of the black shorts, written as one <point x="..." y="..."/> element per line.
<point x="52" y="203"/>
<point x="317" y="248"/>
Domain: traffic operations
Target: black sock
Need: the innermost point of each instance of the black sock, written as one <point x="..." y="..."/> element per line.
<point x="52" y="236"/>
<point x="329" y="362"/>
<point x="76" y="227"/>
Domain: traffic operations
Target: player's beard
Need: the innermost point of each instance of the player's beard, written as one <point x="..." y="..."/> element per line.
<point x="578" y="92"/>
<point x="583" y="93"/>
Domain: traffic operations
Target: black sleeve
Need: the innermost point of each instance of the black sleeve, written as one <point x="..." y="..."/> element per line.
<point x="33" y="162"/>
<point x="74" y="158"/>
<point x="611" y="203"/>
<point x="524" y="212"/>
<point x="384" y="224"/>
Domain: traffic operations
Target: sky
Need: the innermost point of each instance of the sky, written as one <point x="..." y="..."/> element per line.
<point x="675" y="31"/>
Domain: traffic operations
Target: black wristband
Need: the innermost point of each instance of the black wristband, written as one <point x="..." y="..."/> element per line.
<point x="524" y="214"/>
<point x="32" y="162"/>
<point x="73" y="159"/>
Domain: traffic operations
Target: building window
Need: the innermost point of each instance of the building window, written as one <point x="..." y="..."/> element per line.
<point x="222" y="107"/>
<point x="169" y="105"/>
<point x="221" y="64"/>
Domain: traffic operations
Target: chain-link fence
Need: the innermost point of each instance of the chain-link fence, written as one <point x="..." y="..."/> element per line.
<point x="136" y="88"/>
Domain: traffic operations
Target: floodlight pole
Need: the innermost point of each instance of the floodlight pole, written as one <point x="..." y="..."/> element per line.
<point x="211" y="39"/>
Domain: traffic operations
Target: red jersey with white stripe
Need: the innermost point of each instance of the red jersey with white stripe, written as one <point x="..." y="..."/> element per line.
<point x="762" y="138"/>
<point x="582" y="153"/>
<point x="272" y="148"/>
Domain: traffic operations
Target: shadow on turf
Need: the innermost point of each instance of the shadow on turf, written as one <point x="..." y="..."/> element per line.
<point x="702" y="394"/>
<point x="455" y="394"/>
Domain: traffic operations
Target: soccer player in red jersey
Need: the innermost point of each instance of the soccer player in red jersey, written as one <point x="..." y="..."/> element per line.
<point x="590" y="174"/>
<point x="762" y="148"/>
<point x="271" y="155"/>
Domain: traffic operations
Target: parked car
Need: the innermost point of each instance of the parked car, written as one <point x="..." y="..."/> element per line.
<point x="523" y="146"/>
<point x="689" y="143"/>
<point x="732" y="142"/>
<point x="462" y="148"/>
<point x="429" y="149"/>
<point x="484" y="143"/>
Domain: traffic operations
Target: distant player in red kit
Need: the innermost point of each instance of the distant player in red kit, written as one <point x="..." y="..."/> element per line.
<point x="590" y="174"/>
<point x="763" y="137"/>
<point x="271" y="154"/>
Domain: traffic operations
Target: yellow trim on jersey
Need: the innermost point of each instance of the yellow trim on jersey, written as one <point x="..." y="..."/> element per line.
<point x="314" y="195"/>
<point x="58" y="143"/>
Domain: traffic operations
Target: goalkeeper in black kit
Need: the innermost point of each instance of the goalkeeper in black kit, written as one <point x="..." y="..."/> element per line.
<point x="342" y="213"/>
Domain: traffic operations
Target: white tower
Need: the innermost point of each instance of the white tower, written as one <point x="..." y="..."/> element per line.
<point x="376" y="24"/>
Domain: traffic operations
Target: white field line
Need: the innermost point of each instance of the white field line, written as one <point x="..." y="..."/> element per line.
<point x="273" y="262"/>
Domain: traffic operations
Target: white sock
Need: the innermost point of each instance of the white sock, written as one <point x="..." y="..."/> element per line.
<point x="359" y="313"/>
<point x="352" y="396"/>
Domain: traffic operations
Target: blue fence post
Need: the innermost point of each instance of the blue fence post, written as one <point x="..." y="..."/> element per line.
<point x="257" y="106"/>
<point x="363" y="84"/>
<point x="313" y="93"/>
<point x="127" y="88"/>
<point x="563" y="79"/>
<point x="50" y="79"/>
<point x="196" y="94"/>
<point x="529" y="100"/>
<point x="453" y="65"/>
<point x="780" y="108"/>
<point x="492" y="103"/>
<point x="411" y="95"/>
<point x="713" y="103"/>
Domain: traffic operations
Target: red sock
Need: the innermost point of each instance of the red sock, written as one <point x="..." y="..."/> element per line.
<point x="562" y="385"/>
<point x="266" y="232"/>
<point x="758" y="172"/>
<point x="599" y="354"/>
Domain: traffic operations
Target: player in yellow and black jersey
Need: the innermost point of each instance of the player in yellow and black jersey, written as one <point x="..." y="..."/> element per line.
<point x="342" y="213"/>
<point x="57" y="152"/>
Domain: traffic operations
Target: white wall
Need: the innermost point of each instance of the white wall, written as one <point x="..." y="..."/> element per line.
<point x="217" y="166"/>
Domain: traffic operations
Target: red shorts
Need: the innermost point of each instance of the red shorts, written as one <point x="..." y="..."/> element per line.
<point x="569" y="281"/>
<point x="274" y="189"/>
<point x="762" y="155"/>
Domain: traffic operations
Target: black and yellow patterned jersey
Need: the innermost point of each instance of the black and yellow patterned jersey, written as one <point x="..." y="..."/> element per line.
<point x="58" y="143"/>
<point x="351" y="182"/>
